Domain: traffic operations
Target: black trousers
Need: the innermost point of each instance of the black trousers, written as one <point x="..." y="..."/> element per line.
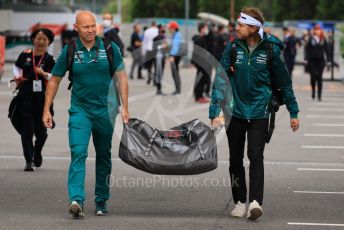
<point x="316" y="68"/>
<point x="256" y="131"/>
<point x="202" y="78"/>
<point x="175" y="73"/>
<point x="149" y="62"/>
<point x="31" y="112"/>
<point x="290" y="62"/>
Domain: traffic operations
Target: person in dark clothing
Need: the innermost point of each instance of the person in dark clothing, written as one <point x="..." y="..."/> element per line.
<point x="330" y="49"/>
<point x="201" y="62"/>
<point x="111" y="32"/>
<point x="160" y="49"/>
<point x="316" y="56"/>
<point x="221" y="39"/>
<point x="136" y="51"/>
<point x="32" y="71"/>
<point x="289" y="52"/>
<point x="210" y="38"/>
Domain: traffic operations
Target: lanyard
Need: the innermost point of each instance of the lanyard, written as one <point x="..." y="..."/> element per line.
<point x="95" y="58"/>
<point x="34" y="63"/>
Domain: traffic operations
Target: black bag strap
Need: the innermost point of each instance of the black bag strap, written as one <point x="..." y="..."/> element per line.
<point x="233" y="57"/>
<point x="150" y="143"/>
<point x="109" y="54"/>
<point x="71" y="47"/>
<point x="269" y="50"/>
<point x="274" y="108"/>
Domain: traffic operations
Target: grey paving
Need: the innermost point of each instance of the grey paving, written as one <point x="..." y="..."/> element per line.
<point x="38" y="200"/>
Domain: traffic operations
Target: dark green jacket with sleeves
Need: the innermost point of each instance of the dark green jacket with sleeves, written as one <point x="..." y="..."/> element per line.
<point x="246" y="93"/>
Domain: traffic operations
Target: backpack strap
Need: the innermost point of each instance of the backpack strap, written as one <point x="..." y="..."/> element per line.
<point x="269" y="50"/>
<point x="275" y="101"/>
<point x="109" y="53"/>
<point x="71" y="47"/>
<point x="233" y="58"/>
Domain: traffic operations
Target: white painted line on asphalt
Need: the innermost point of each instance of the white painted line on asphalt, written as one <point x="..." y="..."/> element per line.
<point x="333" y="99"/>
<point x="318" y="192"/>
<point x="328" y="125"/>
<point x="275" y="163"/>
<point x="326" y="116"/>
<point x="318" y="169"/>
<point x="330" y="104"/>
<point x="326" y="109"/>
<point x="322" y="135"/>
<point x="316" y="224"/>
<point x="321" y="147"/>
<point x="6" y="93"/>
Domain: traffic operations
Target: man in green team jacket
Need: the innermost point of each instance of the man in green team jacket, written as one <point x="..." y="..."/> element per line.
<point x="248" y="105"/>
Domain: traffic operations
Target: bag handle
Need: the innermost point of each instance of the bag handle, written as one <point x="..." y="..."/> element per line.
<point x="150" y="143"/>
<point x="199" y="145"/>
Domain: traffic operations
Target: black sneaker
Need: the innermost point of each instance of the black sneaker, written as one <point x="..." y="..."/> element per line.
<point x="101" y="209"/>
<point x="176" y="92"/>
<point x="29" y="167"/>
<point x="76" y="209"/>
<point x="159" y="92"/>
<point x="37" y="160"/>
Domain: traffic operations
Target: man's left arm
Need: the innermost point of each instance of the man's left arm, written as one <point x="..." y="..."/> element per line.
<point x="284" y="82"/>
<point x="123" y="92"/>
<point x="122" y="81"/>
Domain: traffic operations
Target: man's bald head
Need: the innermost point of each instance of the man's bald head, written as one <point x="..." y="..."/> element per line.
<point x="85" y="25"/>
<point x="84" y="16"/>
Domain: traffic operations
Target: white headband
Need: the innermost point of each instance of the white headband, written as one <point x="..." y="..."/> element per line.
<point x="248" y="20"/>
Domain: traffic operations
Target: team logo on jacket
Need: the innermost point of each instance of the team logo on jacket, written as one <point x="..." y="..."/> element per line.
<point x="102" y="54"/>
<point x="262" y="58"/>
<point x="240" y="57"/>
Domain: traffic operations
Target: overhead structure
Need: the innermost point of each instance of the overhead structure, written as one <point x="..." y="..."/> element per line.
<point x="213" y="18"/>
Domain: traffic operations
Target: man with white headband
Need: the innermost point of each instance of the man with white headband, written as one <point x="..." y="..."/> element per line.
<point x="251" y="63"/>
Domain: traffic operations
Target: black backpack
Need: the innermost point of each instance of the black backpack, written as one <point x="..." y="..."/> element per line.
<point x="277" y="98"/>
<point x="109" y="53"/>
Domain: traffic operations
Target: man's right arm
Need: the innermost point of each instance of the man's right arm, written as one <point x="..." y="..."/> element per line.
<point x="58" y="72"/>
<point x="52" y="87"/>
<point x="219" y="88"/>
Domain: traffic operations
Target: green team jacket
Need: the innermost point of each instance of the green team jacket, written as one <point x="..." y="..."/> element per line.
<point x="246" y="93"/>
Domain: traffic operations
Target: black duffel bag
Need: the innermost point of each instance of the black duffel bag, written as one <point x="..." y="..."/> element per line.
<point x="187" y="149"/>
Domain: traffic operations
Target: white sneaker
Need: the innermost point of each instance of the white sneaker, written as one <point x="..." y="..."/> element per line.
<point x="254" y="211"/>
<point x="76" y="209"/>
<point x="239" y="210"/>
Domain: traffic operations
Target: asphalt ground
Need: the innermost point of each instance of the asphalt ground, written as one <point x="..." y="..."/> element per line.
<point x="304" y="183"/>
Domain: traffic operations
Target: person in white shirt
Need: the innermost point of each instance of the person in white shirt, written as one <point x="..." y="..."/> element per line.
<point x="147" y="47"/>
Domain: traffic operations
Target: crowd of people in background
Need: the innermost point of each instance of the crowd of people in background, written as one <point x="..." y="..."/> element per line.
<point x="211" y="40"/>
